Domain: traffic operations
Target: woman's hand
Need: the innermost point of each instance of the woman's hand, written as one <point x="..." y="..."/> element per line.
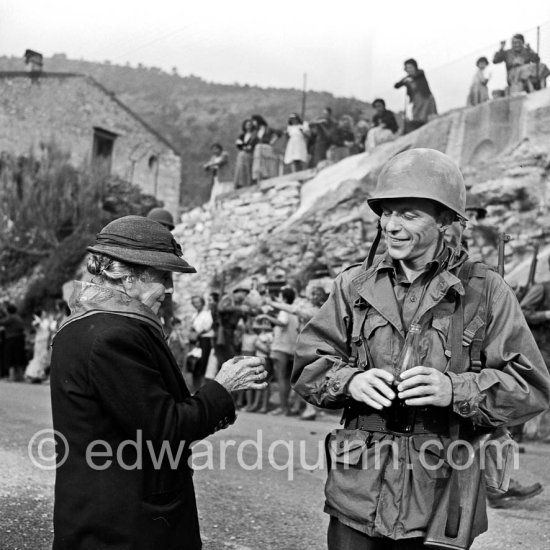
<point x="243" y="373"/>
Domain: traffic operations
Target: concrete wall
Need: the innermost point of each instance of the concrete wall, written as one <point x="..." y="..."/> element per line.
<point x="66" y="108"/>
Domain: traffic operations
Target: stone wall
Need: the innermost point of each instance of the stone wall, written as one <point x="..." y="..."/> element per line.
<point x="222" y="237"/>
<point x="66" y="109"/>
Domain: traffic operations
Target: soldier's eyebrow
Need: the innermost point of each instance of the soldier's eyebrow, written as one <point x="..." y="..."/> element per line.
<point x="405" y="208"/>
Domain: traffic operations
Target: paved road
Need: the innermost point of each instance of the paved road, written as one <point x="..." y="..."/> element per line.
<point x="267" y="507"/>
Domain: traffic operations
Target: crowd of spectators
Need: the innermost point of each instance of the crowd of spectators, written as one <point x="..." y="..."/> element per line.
<point x="25" y="345"/>
<point x="525" y="73"/>
<point x="262" y="319"/>
<point x="309" y="144"/>
<point x="326" y="139"/>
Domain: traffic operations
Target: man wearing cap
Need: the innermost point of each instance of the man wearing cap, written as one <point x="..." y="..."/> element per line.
<point x="162" y="216"/>
<point x="123" y="417"/>
<point x="384" y="485"/>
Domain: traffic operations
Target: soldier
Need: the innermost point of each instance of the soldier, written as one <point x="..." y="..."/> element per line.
<point x="536" y="308"/>
<point x="474" y="232"/>
<point x="166" y="313"/>
<point x="383" y="496"/>
<point x="162" y="216"/>
<point x="469" y="234"/>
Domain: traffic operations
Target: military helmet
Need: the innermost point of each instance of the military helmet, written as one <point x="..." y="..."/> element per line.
<point x="162" y="216"/>
<point x="473" y="202"/>
<point x="422" y="174"/>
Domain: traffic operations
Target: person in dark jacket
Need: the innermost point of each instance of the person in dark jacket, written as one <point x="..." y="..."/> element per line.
<point x="123" y="416"/>
<point x="322" y="130"/>
<point x="385" y="126"/>
<point x="14" y="341"/>
<point x="524" y="71"/>
<point x="384" y="116"/>
<point x="420" y="95"/>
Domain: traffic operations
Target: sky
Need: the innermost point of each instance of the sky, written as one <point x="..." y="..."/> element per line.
<point x="347" y="47"/>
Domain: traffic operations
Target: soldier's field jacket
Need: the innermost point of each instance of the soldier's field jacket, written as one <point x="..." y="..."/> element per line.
<point x="370" y="491"/>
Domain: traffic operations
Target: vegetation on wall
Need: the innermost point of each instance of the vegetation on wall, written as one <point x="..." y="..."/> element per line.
<point x="49" y="212"/>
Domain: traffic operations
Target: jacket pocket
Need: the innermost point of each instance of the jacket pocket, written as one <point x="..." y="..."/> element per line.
<point x="346" y="447"/>
<point x="373" y="322"/>
<point x="378" y="335"/>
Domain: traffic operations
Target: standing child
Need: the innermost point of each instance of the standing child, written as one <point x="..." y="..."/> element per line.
<point x="259" y="399"/>
<point x="479" y="92"/>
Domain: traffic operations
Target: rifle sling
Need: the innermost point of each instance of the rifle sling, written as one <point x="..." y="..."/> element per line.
<point x="457" y="331"/>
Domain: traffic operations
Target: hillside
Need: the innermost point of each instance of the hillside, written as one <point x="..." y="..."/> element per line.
<point x="193" y="113"/>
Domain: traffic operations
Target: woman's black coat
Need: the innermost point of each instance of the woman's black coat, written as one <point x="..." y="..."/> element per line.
<point x="114" y="380"/>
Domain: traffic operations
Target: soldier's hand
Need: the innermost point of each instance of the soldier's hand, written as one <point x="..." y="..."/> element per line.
<point x="421" y="386"/>
<point x="372" y="388"/>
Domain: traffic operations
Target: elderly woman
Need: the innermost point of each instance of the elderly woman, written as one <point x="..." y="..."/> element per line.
<point x="121" y="410"/>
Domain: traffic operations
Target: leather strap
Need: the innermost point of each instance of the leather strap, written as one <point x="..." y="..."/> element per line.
<point x="374" y="246"/>
<point x="427" y="423"/>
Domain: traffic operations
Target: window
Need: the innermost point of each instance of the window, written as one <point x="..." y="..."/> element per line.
<point x="102" y="154"/>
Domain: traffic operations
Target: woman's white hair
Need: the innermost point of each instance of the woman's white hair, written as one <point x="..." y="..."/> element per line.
<point x="107" y="269"/>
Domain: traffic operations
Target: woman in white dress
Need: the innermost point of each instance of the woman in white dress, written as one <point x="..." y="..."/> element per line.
<point x="296" y="147"/>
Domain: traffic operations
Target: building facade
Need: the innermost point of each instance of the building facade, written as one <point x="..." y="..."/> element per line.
<point x="88" y="122"/>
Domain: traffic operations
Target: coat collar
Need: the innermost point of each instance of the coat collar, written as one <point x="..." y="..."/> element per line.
<point x="90" y="299"/>
<point x="375" y="287"/>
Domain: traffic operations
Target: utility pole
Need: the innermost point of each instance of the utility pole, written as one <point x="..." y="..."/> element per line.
<point x="538" y="53"/>
<point x="304" y="94"/>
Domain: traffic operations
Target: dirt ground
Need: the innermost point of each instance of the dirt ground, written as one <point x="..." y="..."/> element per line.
<point x="240" y="509"/>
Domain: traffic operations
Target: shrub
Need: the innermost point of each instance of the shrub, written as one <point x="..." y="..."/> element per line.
<point x="49" y="212"/>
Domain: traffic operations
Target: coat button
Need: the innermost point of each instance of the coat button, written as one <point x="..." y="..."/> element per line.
<point x="413" y="298"/>
<point x="464" y="408"/>
<point x="336" y="386"/>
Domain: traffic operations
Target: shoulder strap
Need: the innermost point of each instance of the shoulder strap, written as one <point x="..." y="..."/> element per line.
<point x="359" y="351"/>
<point x="469" y="322"/>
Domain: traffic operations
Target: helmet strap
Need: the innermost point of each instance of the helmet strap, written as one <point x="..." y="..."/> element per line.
<point x="374" y="246"/>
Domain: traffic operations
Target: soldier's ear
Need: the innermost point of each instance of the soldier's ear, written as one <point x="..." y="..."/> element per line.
<point x="445" y="219"/>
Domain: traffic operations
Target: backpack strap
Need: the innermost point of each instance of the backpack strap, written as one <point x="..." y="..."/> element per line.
<point x="472" y="311"/>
